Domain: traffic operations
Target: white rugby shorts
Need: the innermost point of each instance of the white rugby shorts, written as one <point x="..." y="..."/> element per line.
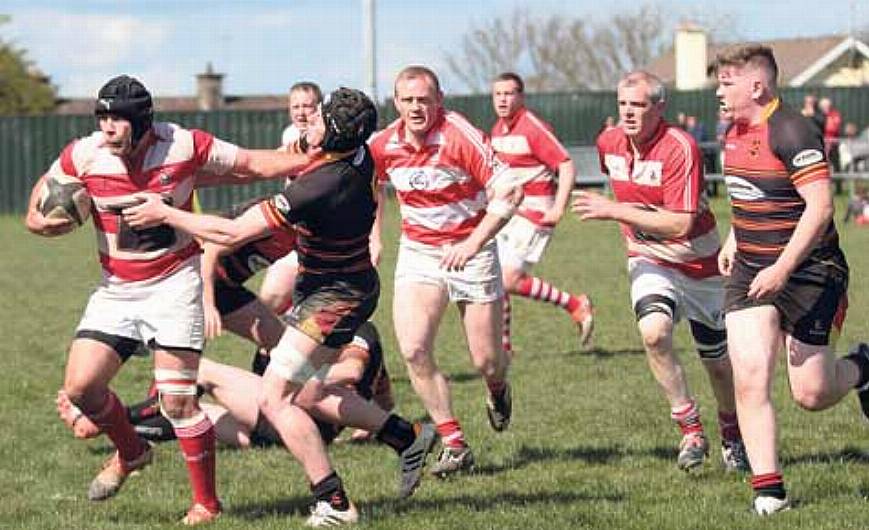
<point x="479" y="282"/>
<point x="166" y="310"/>
<point x="521" y="243"/>
<point x="701" y="300"/>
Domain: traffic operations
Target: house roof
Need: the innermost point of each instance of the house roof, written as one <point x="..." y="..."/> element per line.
<point x="183" y="104"/>
<point x="798" y="59"/>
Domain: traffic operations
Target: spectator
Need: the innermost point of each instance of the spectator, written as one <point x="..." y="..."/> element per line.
<point x="681" y="120"/>
<point x="858" y="206"/>
<point x="694" y="127"/>
<point x="853" y="151"/>
<point x="810" y="110"/>
<point x="832" y="126"/>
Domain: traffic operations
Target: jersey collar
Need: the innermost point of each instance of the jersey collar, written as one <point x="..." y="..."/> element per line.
<point x="770" y="107"/>
<point x="505" y="125"/>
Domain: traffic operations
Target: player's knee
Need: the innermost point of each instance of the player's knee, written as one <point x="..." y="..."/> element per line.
<point x="711" y="343"/>
<point x="85" y="396"/>
<point x="419" y="360"/>
<point x="511" y="277"/>
<point x="485" y="365"/>
<point x="811" y="396"/>
<point x="655" y="315"/>
<point x="178" y="391"/>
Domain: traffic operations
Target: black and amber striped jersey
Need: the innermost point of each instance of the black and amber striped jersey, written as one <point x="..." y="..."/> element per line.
<point x="332" y="207"/>
<point x="764" y="166"/>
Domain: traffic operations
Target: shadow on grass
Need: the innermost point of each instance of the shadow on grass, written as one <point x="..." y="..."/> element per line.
<point x="604" y="354"/>
<point x="846" y="454"/>
<point x="481" y="503"/>
<point x="589" y="454"/>
<point x="293" y="506"/>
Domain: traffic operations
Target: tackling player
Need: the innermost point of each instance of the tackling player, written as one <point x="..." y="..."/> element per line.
<point x="151" y="286"/>
<point x="787" y="277"/>
<point x="331" y="203"/>
<point x="656" y="173"/>
<point x="537" y="159"/>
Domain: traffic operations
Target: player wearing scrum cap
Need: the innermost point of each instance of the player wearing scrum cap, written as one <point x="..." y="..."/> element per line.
<point x="151" y="286"/>
<point x="332" y="205"/>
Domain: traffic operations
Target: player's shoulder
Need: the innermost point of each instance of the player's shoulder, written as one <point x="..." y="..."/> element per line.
<point x="791" y="130"/>
<point x="611" y="139"/>
<point x="533" y="120"/>
<point x="458" y="128"/>
<point x="678" y="142"/>
<point x="382" y="139"/>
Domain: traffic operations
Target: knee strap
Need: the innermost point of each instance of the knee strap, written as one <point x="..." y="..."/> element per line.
<point x="711" y="343"/>
<point x="655" y="303"/>
<point x="177" y="383"/>
<point x="291" y="364"/>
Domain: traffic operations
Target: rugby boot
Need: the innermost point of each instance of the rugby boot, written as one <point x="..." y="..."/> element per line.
<point x="115" y="472"/>
<point x="323" y="514"/>
<point x="412" y="460"/>
<point x="733" y="456"/>
<point x="693" y="449"/>
<point x="583" y="317"/>
<point x="453" y="460"/>
<point x="768" y="505"/>
<point x="500" y="409"/>
<point x="199" y="514"/>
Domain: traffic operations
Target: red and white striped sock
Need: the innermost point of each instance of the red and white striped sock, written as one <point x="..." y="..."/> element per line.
<point x="688" y="418"/>
<point x="113" y="421"/>
<point x="197" y="445"/>
<point x="536" y="289"/>
<point x="451" y="434"/>
<point x="505" y="330"/>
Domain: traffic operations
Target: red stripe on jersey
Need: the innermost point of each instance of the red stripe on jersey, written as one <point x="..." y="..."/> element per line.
<point x="544" y="188"/>
<point x="133" y="270"/>
<point x="66" y="162"/>
<point x="448" y="234"/>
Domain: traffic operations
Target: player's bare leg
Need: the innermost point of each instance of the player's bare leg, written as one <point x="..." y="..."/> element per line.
<point x="482" y="325"/>
<point x="754" y="340"/>
<point x="818" y="380"/>
<point x="276" y="290"/>
<point x="656" y="329"/>
<point x="175" y="374"/>
<point x="90" y="367"/>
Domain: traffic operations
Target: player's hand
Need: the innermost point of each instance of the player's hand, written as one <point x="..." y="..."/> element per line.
<point x="213" y="322"/>
<point x="375" y="248"/>
<point x="589" y="205"/>
<point x="150" y="212"/>
<point x="47" y="226"/>
<point x="726" y="257"/>
<point x="552" y="216"/>
<point x="768" y="282"/>
<point x="457" y="256"/>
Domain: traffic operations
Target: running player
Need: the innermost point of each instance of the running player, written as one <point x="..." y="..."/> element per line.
<point x="656" y="174"/>
<point x="527" y="144"/>
<point x="787" y="276"/>
<point x="443" y="171"/>
<point x="151" y="286"/>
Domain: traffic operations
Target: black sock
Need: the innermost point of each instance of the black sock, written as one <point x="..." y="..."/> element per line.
<point x="397" y="433"/>
<point x="331" y="490"/>
<point x="769" y="485"/>
<point x="861" y="358"/>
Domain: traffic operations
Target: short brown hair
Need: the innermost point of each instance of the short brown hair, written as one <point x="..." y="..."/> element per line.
<point x="416" y="71"/>
<point x="751" y="54"/>
<point x="512" y="76"/>
<point x="657" y="92"/>
<point x="308" y="86"/>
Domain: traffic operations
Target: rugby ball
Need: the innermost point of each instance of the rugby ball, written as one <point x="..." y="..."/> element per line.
<point x="64" y="197"/>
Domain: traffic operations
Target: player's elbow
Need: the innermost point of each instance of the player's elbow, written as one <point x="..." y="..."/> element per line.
<point x="681" y="228"/>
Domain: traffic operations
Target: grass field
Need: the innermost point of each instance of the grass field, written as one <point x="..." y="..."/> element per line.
<point x="591" y="444"/>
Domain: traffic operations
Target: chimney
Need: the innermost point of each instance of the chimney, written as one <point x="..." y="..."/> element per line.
<point x="690" y="57"/>
<point x="209" y="89"/>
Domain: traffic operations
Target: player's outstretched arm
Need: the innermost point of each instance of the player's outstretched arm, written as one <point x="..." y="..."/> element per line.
<point x="269" y="163"/>
<point x="649" y="219"/>
<point x="38" y="223"/>
<point x="227" y="232"/>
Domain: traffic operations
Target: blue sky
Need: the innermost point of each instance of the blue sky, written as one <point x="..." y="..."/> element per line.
<point x="263" y="46"/>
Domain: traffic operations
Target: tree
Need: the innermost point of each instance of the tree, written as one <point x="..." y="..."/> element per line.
<point x="23" y="88"/>
<point x="561" y="53"/>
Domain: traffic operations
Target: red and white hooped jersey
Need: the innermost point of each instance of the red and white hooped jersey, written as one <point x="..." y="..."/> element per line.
<point x="667" y="174"/>
<point x="170" y="162"/>
<point x="442" y="186"/>
<point x="528" y="145"/>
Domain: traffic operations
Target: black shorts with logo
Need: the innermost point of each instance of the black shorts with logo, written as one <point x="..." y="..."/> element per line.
<point x="812" y="303"/>
<point x="329" y="308"/>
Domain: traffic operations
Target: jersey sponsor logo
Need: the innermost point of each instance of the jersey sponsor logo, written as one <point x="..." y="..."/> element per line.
<point x="257" y="263"/>
<point x="648" y="173"/>
<point x="807" y="157"/>
<point x="282" y="204"/>
<point x="419" y="180"/>
<point x="742" y="190"/>
<point x="617" y="167"/>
